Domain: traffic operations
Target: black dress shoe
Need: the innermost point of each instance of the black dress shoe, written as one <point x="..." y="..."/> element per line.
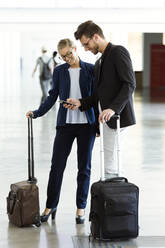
<point x="80" y="219"/>
<point x="45" y="217"/>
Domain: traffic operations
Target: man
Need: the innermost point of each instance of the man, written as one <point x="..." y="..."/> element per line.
<point x="114" y="86"/>
<point x="45" y="77"/>
<point x="71" y="79"/>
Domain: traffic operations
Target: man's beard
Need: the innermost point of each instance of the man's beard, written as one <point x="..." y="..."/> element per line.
<point x="95" y="49"/>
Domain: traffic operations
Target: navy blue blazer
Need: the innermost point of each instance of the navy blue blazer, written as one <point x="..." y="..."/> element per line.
<point x="61" y="89"/>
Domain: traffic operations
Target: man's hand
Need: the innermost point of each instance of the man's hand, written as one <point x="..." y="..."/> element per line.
<point x="105" y="115"/>
<point x="29" y="114"/>
<point x="76" y="102"/>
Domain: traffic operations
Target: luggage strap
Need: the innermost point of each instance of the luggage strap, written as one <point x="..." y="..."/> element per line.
<point x="11" y="202"/>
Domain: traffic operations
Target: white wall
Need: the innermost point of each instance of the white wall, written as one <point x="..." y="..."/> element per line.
<point x="128" y="19"/>
<point x="9" y="62"/>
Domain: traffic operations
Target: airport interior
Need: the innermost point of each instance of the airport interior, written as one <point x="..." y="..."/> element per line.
<point x="26" y="26"/>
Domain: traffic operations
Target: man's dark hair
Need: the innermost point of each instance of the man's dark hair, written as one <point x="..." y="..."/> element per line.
<point x="88" y="29"/>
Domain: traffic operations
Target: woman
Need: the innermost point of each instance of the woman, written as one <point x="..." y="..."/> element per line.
<point x="71" y="79"/>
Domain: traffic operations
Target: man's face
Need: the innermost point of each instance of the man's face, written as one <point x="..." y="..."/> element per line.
<point x="68" y="54"/>
<point x="89" y="44"/>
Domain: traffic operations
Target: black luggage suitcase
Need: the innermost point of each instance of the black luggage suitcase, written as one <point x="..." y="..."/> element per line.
<point x="23" y="199"/>
<point x="114" y="203"/>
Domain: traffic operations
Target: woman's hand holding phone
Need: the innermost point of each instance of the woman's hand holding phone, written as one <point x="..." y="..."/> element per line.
<point x="71" y="103"/>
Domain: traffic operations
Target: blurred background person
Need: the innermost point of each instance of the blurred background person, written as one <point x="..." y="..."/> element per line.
<point x="54" y="62"/>
<point x="54" y="57"/>
<point x="45" y="72"/>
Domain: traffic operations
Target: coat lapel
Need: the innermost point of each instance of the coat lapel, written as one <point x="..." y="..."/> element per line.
<point x="99" y="64"/>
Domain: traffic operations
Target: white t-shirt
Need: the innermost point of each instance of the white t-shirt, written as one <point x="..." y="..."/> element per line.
<point x="75" y="116"/>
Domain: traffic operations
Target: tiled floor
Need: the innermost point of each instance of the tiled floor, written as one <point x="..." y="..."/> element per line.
<point x="143" y="162"/>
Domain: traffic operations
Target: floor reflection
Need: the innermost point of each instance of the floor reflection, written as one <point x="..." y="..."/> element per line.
<point x="140" y="242"/>
<point x="157" y="94"/>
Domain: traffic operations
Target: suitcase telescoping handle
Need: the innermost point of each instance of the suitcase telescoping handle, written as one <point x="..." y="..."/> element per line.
<point x="102" y="167"/>
<point x="31" y="178"/>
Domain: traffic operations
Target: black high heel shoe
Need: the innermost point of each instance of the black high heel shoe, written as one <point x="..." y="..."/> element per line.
<point x="80" y="219"/>
<point x="45" y="217"/>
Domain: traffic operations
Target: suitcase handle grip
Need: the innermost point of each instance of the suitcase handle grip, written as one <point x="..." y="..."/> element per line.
<point x="116" y="179"/>
<point x="117" y="116"/>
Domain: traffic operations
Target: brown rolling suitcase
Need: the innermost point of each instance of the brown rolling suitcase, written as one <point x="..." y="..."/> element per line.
<point x="23" y="199"/>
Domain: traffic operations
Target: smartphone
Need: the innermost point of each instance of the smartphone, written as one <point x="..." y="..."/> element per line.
<point x="65" y="102"/>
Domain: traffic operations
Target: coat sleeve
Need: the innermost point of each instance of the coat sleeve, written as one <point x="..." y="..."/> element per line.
<point x="90" y="101"/>
<point x="123" y="66"/>
<point x="51" y="99"/>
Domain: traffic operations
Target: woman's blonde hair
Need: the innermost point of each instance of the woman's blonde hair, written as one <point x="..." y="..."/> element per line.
<point x="65" y="42"/>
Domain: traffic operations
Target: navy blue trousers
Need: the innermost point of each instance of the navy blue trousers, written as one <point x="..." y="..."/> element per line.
<point x="85" y="135"/>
